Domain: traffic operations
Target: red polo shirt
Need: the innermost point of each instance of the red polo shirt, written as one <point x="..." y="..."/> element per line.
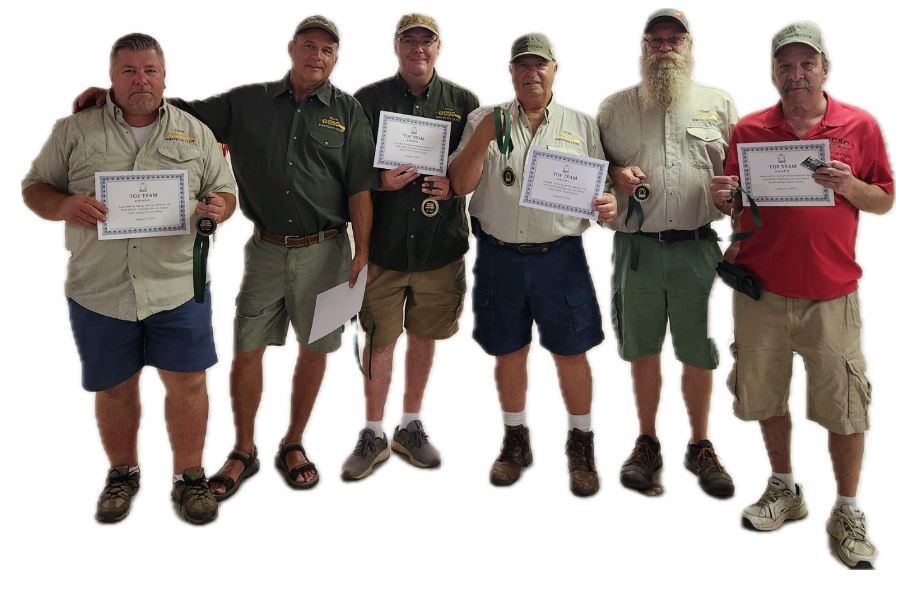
<point x="810" y="252"/>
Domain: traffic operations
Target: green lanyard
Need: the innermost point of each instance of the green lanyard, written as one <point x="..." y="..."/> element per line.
<point x="201" y="248"/>
<point x="503" y="130"/>
<point x="755" y="215"/>
<point x="634" y="206"/>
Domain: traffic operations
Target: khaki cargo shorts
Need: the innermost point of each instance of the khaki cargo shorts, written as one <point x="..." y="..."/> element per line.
<point x="279" y="287"/>
<point x="427" y="303"/>
<point x="826" y="336"/>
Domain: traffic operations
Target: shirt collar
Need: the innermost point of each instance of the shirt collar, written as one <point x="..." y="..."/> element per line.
<point x="284" y="86"/>
<point x="517" y="107"/>
<point x="402" y="87"/>
<point x="834" y="115"/>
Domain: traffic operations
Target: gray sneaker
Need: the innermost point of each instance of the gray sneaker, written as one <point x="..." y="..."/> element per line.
<point x="413" y="443"/>
<point x="846" y="527"/>
<point x="120" y="488"/>
<point x="369" y="451"/>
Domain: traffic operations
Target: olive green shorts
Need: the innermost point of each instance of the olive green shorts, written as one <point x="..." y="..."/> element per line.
<point x="671" y="285"/>
<point x="826" y="334"/>
<point x="279" y="287"/>
<point x="426" y="303"/>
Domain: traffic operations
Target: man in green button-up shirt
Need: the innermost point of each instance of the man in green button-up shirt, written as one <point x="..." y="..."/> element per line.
<point x="416" y="267"/>
<point x="302" y="153"/>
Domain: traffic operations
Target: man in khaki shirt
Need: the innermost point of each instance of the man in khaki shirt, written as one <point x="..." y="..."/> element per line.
<point x="671" y="134"/>
<point x="530" y="263"/>
<point x="131" y="299"/>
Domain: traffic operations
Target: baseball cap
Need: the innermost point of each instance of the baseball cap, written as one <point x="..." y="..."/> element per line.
<point x="667" y="15"/>
<point x="804" y="32"/>
<point x="414" y="20"/>
<point x="532" y="44"/>
<point x="318" y="22"/>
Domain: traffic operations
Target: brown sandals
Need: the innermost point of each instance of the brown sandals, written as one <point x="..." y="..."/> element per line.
<point x="251" y="465"/>
<point x="290" y="474"/>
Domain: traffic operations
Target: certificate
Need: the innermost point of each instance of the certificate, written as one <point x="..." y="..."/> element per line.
<point x="333" y="307"/>
<point x="773" y="174"/>
<point x="405" y="139"/>
<point x="563" y="183"/>
<point x="143" y="203"/>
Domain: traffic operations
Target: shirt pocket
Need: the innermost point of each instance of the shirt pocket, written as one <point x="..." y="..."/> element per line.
<point x="183" y="156"/>
<point x="706" y="146"/>
<point x="332" y="140"/>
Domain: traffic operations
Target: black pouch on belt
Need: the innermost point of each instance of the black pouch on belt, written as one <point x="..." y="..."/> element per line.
<point x="739" y="279"/>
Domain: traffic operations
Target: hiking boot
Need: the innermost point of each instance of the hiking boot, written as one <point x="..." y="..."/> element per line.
<point x="777" y="505"/>
<point x="369" y="451"/>
<point x="638" y="471"/>
<point x="714" y="480"/>
<point x="846" y="527"/>
<point x="413" y="443"/>
<point x="120" y="488"/>
<point x="193" y="498"/>
<point x="514" y="455"/>
<point x="580" y="454"/>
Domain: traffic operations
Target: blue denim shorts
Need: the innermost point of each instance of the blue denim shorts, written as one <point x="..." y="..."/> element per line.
<point x="112" y="350"/>
<point x="553" y="289"/>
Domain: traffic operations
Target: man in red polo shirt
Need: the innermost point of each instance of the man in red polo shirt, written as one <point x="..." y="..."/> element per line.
<point x="804" y="258"/>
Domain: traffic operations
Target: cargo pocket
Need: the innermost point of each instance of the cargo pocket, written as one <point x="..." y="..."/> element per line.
<point x="482" y="304"/>
<point x="733" y="376"/>
<point x="616" y="315"/>
<point x="858" y="389"/>
<point x="581" y="314"/>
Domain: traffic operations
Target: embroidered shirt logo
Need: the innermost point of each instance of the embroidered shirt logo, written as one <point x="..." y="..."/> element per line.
<point x="332" y="122"/>
<point x="448" y="113"/>
<point x="179" y="135"/>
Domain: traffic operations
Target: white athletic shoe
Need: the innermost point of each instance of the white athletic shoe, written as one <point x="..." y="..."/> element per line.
<point x="846" y="527"/>
<point x="777" y="505"/>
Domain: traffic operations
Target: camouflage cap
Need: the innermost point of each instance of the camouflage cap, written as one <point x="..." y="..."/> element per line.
<point x="318" y="22"/>
<point x="532" y="44"/>
<point x="804" y="32"/>
<point x="414" y="20"/>
<point x="667" y="15"/>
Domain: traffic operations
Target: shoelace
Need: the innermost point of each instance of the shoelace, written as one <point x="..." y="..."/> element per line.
<point x="642" y="455"/>
<point x="581" y="452"/>
<point x="856" y="530"/>
<point x="416" y="439"/>
<point x="771" y="495"/>
<point x="513" y="446"/>
<point x="118" y="486"/>
<point x="364" y="444"/>
<point x="707" y="460"/>
<point x="197" y="489"/>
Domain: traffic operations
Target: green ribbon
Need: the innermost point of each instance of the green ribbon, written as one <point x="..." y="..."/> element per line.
<point x="634" y="206"/>
<point x="503" y="130"/>
<point x="755" y="215"/>
<point x="201" y="248"/>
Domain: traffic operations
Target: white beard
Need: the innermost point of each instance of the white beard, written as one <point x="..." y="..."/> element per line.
<point x="665" y="82"/>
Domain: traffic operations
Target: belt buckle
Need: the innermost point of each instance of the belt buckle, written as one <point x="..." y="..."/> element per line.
<point x="286" y="241"/>
<point x="525" y="248"/>
<point x="661" y="238"/>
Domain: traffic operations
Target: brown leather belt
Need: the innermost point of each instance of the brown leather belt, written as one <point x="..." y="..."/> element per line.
<point x="300" y="241"/>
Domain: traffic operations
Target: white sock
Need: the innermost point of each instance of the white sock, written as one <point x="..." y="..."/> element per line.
<point x="177" y="478"/>
<point x="787" y="479"/>
<point x="376" y="428"/>
<point x="514" y="419"/>
<point x="133" y="469"/>
<point x="407" y="418"/>
<point x="581" y="422"/>
<point x="841" y="500"/>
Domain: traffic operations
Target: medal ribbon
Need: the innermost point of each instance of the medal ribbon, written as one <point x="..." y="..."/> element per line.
<point x="201" y="248"/>
<point x="634" y="206"/>
<point x="503" y="130"/>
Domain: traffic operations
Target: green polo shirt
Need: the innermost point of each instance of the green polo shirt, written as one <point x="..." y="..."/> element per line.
<point x="403" y="239"/>
<point x="296" y="163"/>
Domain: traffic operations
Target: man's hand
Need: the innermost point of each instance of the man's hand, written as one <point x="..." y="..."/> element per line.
<point x="82" y="210"/>
<point x="721" y="188"/>
<point x="838" y="176"/>
<point x="606" y="206"/>
<point x="437" y="187"/>
<point x="91" y="96"/>
<point x="398" y="178"/>
<point x="216" y="209"/>
<point x="627" y="177"/>
<point x="359" y="261"/>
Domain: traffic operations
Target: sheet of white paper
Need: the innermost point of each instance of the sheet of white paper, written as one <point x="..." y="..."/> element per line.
<point x="407" y="139"/>
<point x="562" y="183"/>
<point x="143" y="203"/>
<point x="772" y="173"/>
<point x="337" y="305"/>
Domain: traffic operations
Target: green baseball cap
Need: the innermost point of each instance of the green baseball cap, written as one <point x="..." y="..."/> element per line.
<point x="318" y="22"/>
<point x="416" y="20"/>
<point x="667" y="15"/>
<point x="804" y="32"/>
<point x="532" y="44"/>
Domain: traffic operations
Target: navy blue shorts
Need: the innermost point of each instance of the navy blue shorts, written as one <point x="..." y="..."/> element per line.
<point x="553" y="289"/>
<point x="112" y="350"/>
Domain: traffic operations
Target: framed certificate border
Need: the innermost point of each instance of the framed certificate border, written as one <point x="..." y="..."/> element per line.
<point x="383" y="161"/>
<point x="104" y="179"/>
<point x="529" y="200"/>
<point x="821" y="148"/>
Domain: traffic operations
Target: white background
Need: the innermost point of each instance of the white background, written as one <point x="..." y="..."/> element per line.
<point x="447" y="528"/>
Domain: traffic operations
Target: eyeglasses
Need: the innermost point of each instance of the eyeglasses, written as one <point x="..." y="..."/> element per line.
<point x="656" y="42"/>
<point x="529" y="67"/>
<point x="415" y="43"/>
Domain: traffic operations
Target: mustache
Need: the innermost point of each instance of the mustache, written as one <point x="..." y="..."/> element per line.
<point x="798" y="85"/>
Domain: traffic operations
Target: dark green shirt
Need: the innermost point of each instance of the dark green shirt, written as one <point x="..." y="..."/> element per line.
<point x="296" y="164"/>
<point x="403" y="239"/>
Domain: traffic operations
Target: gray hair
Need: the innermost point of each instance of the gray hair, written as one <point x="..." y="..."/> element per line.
<point x="136" y="42"/>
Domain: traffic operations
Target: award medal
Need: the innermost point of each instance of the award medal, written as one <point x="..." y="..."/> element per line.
<point x="429" y="207"/>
